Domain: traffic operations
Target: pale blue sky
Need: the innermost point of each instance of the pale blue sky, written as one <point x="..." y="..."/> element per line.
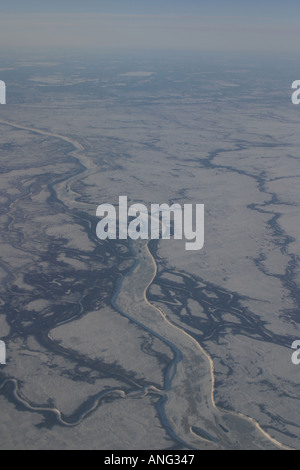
<point x="215" y="25"/>
<point x="265" y="8"/>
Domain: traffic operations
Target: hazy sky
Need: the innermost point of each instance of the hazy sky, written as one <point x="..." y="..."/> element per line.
<point x="210" y="25"/>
